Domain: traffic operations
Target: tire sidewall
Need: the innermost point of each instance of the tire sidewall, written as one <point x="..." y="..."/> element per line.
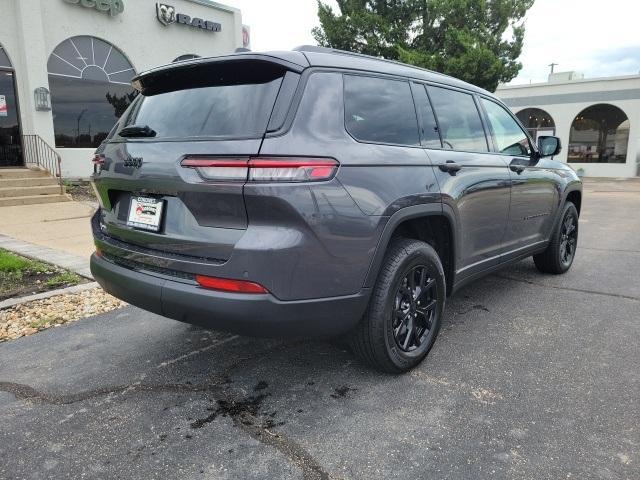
<point x="569" y="209"/>
<point x="418" y="255"/>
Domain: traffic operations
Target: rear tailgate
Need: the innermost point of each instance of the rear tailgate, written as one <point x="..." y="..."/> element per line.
<point x="203" y="109"/>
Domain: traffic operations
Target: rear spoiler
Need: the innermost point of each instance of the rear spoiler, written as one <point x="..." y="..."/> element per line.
<point x="226" y="70"/>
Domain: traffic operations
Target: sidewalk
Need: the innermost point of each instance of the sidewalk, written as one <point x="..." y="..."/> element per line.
<point x="57" y="233"/>
<point x="60" y="226"/>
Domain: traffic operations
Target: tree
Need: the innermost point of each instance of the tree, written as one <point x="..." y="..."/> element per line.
<point x="478" y="41"/>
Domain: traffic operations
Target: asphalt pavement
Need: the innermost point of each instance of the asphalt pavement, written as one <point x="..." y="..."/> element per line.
<point x="532" y="376"/>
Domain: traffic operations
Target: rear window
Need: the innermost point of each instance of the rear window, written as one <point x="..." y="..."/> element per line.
<point x="231" y="108"/>
<point x="380" y="110"/>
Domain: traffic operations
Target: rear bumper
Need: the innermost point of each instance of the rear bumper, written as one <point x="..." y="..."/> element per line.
<point x="246" y="314"/>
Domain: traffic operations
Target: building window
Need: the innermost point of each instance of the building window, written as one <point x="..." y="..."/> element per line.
<point x="537" y="122"/>
<point x="599" y="134"/>
<point x="188" y="56"/>
<point x="4" y="59"/>
<point x="90" y="83"/>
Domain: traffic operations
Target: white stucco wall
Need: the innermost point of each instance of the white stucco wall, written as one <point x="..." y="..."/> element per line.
<point x="31" y="30"/>
<point x="564" y="101"/>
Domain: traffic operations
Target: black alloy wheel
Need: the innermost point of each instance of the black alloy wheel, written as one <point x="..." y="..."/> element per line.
<point x="568" y="239"/>
<point x="414" y="310"/>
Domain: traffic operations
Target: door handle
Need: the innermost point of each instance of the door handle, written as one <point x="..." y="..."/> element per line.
<point x="450" y="166"/>
<point x="517" y="168"/>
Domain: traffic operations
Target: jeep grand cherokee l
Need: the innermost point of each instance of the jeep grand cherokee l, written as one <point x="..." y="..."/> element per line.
<point x="321" y="193"/>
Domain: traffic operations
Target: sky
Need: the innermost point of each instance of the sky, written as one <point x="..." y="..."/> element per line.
<point x="599" y="38"/>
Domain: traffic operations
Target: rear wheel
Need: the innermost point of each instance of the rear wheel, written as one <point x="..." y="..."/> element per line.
<point x="559" y="255"/>
<point x="405" y="310"/>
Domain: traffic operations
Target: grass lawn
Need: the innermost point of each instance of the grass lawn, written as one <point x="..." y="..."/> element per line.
<point x="21" y="276"/>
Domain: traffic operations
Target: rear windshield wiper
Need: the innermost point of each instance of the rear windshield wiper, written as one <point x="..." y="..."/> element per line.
<point x="137" y="131"/>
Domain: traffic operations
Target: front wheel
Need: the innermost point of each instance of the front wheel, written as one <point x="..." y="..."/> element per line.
<point x="559" y="255"/>
<point x="405" y="311"/>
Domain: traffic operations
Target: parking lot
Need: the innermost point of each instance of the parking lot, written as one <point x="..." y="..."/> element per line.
<point x="533" y="376"/>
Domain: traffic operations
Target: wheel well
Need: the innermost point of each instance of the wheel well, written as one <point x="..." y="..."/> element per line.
<point x="436" y="231"/>
<point x="575" y="197"/>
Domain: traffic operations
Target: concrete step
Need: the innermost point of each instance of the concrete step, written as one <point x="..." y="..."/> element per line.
<point x="29" y="191"/>
<point x="27" y="182"/>
<point x="33" y="199"/>
<point x="22" y="173"/>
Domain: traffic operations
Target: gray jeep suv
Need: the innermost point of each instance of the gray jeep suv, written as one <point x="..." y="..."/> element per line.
<point x="321" y="193"/>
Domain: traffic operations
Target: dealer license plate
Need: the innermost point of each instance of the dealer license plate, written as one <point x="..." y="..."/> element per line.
<point x="145" y="213"/>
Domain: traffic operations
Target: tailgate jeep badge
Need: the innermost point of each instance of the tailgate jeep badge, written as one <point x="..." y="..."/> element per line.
<point x="133" y="162"/>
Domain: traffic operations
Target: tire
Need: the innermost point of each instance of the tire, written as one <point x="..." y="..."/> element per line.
<point x="559" y="255"/>
<point x="380" y="338"/>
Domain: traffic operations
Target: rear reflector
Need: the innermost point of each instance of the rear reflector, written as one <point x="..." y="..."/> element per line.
<point x="262" y="169"/>
<point x="227" y="285"/>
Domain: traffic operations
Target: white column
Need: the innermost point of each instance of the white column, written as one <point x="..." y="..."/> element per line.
<point x="33" y="74"/>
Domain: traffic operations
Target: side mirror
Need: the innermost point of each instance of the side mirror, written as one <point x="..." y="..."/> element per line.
<point x="549" y="146"/>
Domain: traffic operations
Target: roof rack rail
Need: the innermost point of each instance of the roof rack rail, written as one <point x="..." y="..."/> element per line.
<point x="317" y="49"/>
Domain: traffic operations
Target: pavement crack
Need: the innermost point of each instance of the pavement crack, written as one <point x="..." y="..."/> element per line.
<point x="246" y="414"/>
<point x="579" y="290"/>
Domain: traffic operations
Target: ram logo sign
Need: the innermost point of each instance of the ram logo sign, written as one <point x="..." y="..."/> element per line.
<point x="168" y="15"/>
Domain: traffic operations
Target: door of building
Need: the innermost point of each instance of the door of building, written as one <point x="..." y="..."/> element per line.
<point x="10" y="140"/>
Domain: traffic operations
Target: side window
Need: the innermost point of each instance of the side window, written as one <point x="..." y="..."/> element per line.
<point x="459" y="120"/>
<point x="380" y="110"/>
<point x="429" y="128"/>
<point x="509" y="137"/>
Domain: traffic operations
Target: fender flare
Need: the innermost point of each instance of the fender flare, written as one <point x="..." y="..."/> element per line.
<point x="409" y="213"/>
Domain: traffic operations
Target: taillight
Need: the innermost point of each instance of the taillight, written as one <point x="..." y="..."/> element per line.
<point x="291" y="170"/>
<point x="232" y="169"/>
<point x="228" y="285"/>
<point x="98" y="162"/>
<point x="263" y="169"/>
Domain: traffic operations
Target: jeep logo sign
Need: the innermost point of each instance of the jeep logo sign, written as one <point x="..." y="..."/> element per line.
<point x="114" y="7"/>
<point x="167" y="15"/>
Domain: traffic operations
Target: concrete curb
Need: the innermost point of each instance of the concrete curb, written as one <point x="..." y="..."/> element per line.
<point x="12" y="302"/>
<point x="64" y="260"/>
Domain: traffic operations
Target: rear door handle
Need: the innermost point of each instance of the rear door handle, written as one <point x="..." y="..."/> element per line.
<point x="450" y="166"/>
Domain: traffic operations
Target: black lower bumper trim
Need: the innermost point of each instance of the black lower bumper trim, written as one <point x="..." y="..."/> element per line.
<point x="245" y="314"/>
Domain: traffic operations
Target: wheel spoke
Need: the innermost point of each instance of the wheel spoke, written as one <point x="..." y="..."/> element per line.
<point x="416" y="337"/>
<point x="410" y="332"/>
<point x="423" y="278"/>
<point x="428" y="286"/>
<point x="412" y="283"/>
<point x="425" y="309"/>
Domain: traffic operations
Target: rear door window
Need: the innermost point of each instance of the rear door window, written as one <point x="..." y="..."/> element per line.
<point x="380" y="110"/>
<point x="459" y="120"/>
<point x="239" y="110"/>
<point x="510" y="139"/>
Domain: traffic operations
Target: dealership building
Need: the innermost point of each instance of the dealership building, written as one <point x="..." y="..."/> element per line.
<point x="597" y="119"/>
<point x="66" y="67"/>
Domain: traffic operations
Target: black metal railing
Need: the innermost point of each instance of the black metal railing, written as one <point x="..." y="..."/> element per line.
<point x="39" y="154"/>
